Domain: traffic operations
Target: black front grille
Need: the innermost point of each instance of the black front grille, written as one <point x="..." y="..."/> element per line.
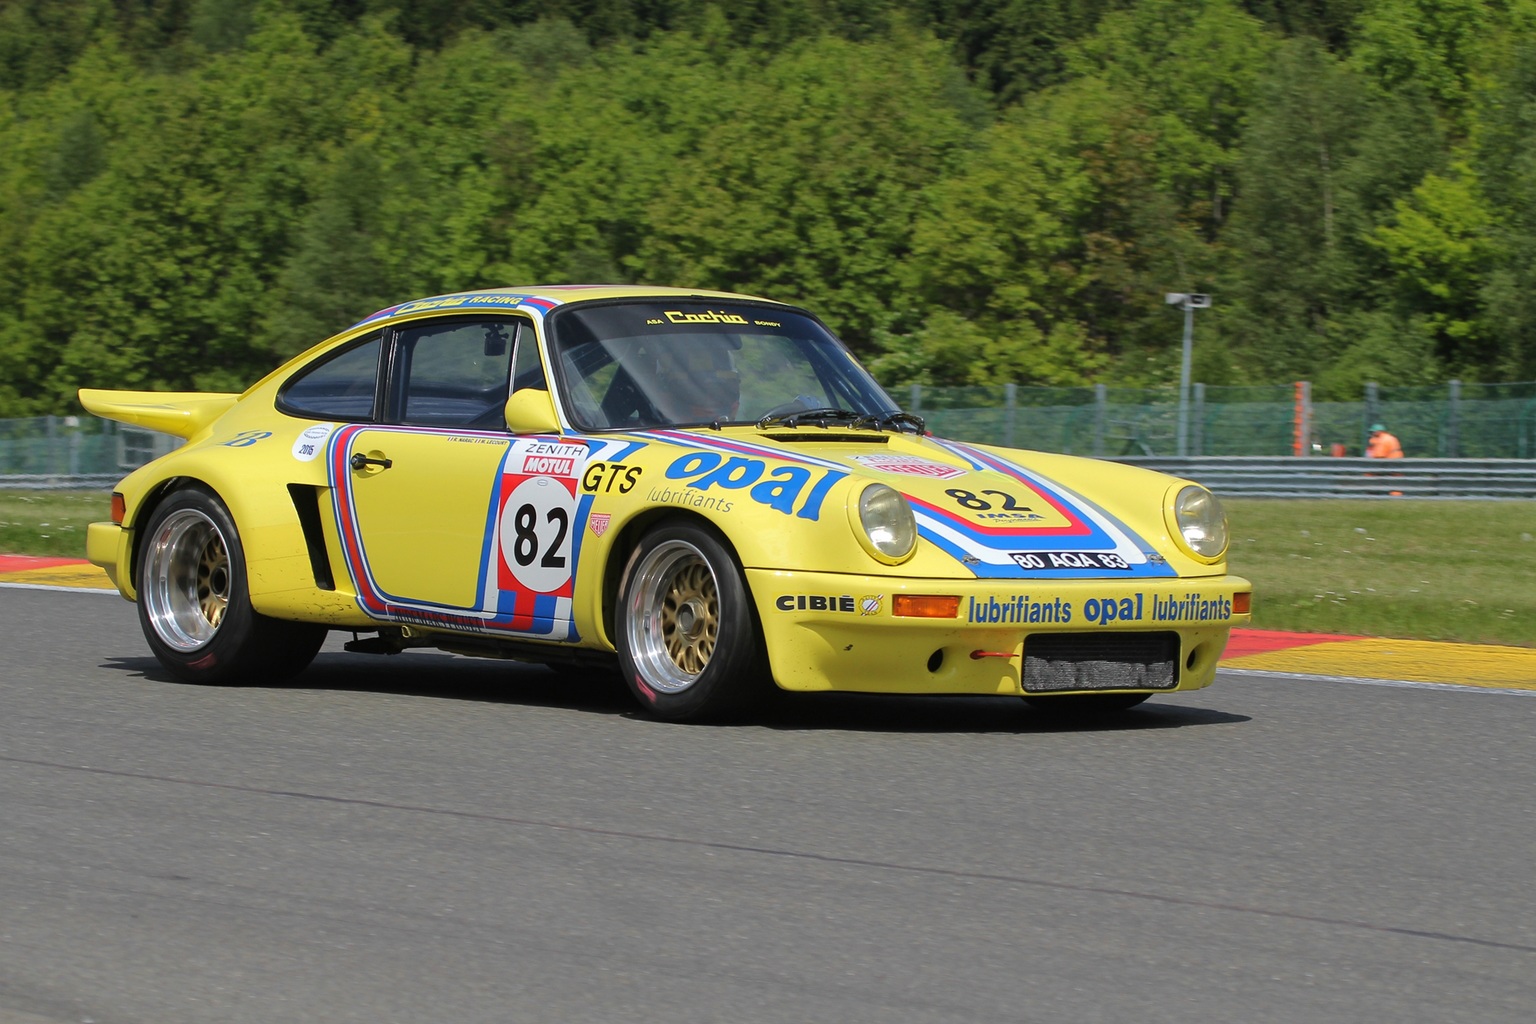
<point x="1058" y="662"/>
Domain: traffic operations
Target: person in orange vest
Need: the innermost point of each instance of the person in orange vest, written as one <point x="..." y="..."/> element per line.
<point x="1382" y="444"/>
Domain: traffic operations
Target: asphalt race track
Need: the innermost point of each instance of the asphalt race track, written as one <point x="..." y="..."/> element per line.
<point x="433" y="839"/>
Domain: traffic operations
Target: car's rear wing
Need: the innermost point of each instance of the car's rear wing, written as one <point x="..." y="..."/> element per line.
<point x="181" y="413"/>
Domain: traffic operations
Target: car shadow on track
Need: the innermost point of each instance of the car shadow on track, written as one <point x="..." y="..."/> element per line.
<point x="443" y="676"/>
<point x="923" y="714"/>
<point x="595" y="691"/>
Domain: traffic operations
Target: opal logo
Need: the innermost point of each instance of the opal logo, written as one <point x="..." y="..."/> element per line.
<point x="792" y="490"/>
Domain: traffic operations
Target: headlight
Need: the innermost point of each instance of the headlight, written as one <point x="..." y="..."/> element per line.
<point x="889" y="529"/>
<point x="1201" y="522"/>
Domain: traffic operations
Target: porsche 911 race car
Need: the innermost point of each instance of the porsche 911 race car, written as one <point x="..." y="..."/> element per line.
<point x="703" y="488"/>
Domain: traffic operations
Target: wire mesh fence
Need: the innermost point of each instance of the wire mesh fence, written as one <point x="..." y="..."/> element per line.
<point x="69" y="447"/>
<point x="1454" y="420"/>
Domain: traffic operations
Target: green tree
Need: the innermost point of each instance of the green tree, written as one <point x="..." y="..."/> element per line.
<point x="1325" y="160"/>
<point x="1014" y="47"/>
<point x="1193" y="70"/>
<point x="154" y="270"/>
<point x="693" y="161"/>
<point x="1428" y="46"/>
<point x="991" y="267"/>
<point x="1503" y="152"/>
<point x="1059" y="236"/>
<point x="221" y="24"/>
<point x="40" y="39"/>
<point x="1440" y="247"/>
<point x="1331" y="22"/>
<point x="338" y="270"/>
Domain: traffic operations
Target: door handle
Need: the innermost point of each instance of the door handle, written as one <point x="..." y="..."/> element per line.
<point x="359" y="460"/>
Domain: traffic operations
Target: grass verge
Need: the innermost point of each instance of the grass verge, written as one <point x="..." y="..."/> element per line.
<point x="49" y="522"/>
<point x="1427" y="570"/>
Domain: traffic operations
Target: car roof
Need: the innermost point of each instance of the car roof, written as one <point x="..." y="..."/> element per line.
<point x="543" y="298"/>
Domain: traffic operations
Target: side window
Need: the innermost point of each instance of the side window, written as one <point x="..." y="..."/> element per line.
<point x="527" y="370"/>
<point x="341" y="388"/>
<point x="454" y="373"/>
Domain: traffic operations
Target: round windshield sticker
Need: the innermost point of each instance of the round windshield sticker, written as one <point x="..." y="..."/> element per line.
<point x="312" y="442"/>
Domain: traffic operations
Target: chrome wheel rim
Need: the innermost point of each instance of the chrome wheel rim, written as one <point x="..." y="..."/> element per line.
<point x="674" y="616"/>
<point x="186" y="580"/>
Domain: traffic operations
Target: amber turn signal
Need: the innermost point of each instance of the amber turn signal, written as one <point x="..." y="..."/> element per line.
<point x="926" y="606"/>
<point x="1242" y="602"/>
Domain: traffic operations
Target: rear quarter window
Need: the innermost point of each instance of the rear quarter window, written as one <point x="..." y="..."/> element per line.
<point x="343" y="387"/>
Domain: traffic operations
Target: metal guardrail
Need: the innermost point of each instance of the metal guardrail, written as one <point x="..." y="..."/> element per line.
<point x="59" y="481"/>
<point x="1322" y="477"/>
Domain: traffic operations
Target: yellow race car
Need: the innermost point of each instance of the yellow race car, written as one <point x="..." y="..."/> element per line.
<point x="705" y="488"/>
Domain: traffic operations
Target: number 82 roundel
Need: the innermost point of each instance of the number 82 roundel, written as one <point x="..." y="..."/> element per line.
<point x="534" y="534"/>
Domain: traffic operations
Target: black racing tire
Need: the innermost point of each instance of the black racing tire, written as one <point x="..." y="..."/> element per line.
<point x="195" y="605"/>
<point x="1085" y="706"/>
<point x="688" y="641"/>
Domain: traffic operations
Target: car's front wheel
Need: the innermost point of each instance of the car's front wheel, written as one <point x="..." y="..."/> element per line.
<point x="687" y="639"/>
<point x="194" y="605"/>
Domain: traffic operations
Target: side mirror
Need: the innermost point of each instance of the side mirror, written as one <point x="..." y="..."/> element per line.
<point x="531" y="411"/>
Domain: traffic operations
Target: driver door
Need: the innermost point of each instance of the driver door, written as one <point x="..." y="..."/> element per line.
<point x="423" y="487"/>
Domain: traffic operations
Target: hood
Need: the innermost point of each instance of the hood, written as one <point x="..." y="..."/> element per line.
<point x="1007" y="520"/>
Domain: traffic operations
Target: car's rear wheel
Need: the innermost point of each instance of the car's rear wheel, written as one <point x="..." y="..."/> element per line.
<point x="194" y="605"/>
<point x="688" y="641"/>
<point x="1085" y="706"/>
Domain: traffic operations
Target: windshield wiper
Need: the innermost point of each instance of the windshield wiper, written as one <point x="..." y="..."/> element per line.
<point x="897" y="421"/>
<point x="902" y="421"/>
<point x="818" y="417"/>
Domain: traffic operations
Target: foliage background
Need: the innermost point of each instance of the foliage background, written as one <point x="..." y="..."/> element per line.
<point x="970" y="193"/>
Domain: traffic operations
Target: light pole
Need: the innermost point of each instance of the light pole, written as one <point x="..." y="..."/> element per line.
<point x="1189" y="302"/>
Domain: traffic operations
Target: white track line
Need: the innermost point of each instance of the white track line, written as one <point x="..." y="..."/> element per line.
<point x="58" y="589"/>
<point x="1400" y="683"/>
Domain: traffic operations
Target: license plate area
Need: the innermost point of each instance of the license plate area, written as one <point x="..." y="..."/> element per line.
<point x="1066" y="662"/>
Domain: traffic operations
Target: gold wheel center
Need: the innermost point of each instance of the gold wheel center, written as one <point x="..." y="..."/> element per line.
<point x="690" y="617"/>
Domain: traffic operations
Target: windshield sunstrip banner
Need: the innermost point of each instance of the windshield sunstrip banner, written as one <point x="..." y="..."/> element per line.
<point x="463" y="301"/>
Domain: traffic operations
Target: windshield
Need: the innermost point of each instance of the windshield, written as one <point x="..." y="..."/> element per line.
<point x="669" y="363"/>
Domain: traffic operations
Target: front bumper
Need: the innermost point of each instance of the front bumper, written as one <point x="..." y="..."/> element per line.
<point x="828" y="631"/>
